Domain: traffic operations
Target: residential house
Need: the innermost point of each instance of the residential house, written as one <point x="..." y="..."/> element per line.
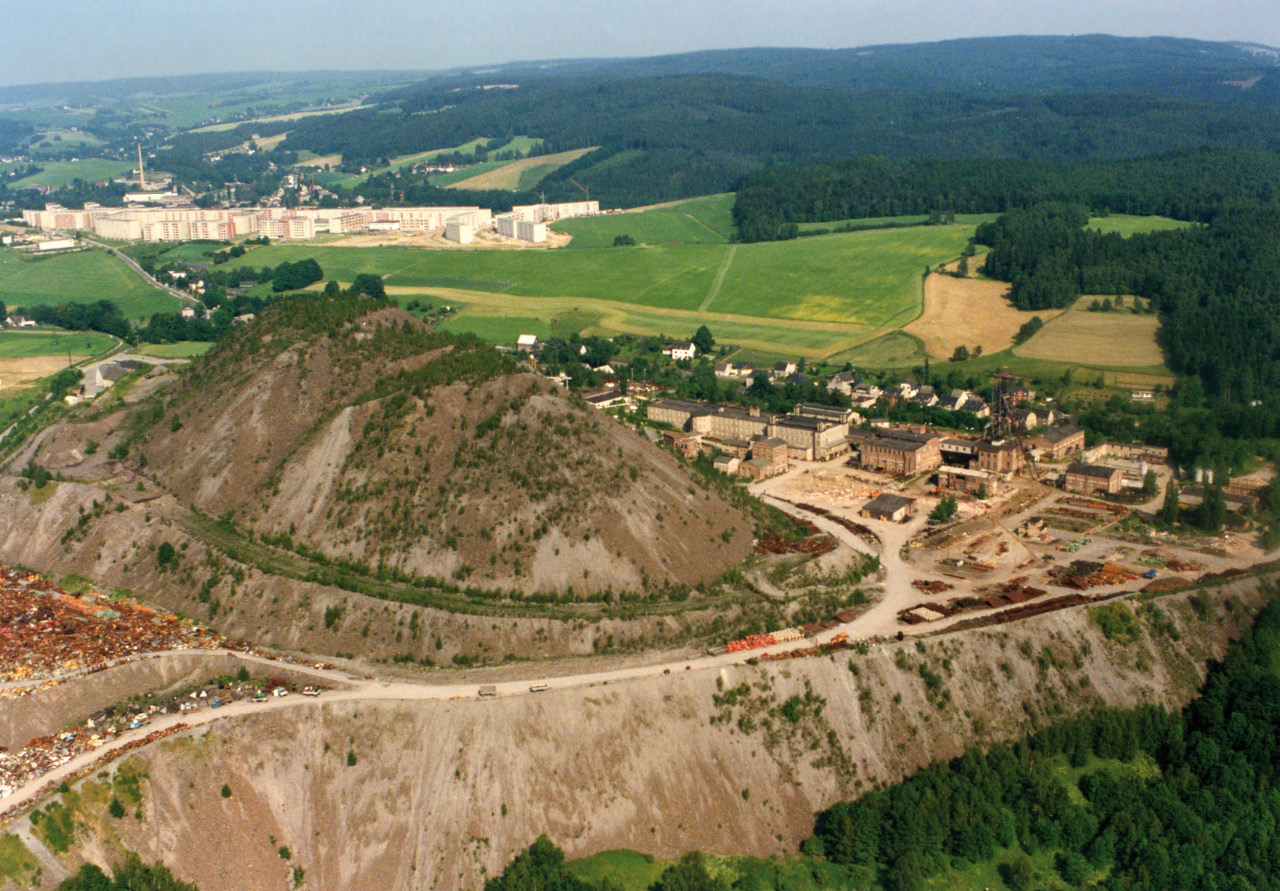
<point x="782" y="369"/>
<point x="680" y="350"/>
<point x="527" y="342"/>
<point x="926" y="396"/>
<point x="841" y="382"/>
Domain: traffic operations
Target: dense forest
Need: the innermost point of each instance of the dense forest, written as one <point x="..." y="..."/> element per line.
<point x="1194" y="185"/>
<point x="693" y="134"/>
<point x="1217" y="286"/>
<point x="1136" y="800"/>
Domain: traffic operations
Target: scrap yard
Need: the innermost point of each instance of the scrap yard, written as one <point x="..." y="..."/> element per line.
<point x="47" y="632"/>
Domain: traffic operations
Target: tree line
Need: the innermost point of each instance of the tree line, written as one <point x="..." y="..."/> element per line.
<point x="1194" y="185"/>
<point x="1118" y="800"/>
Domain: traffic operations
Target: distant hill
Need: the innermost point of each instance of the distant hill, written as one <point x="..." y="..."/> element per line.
<point x="677" y="126"/>
<point x="348" y="429"/>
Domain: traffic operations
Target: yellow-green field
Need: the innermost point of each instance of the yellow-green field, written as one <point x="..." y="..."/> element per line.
<point x="1097" y="338"/>
<point x="1126" y="225"/>
<point x="524" y="173"/>
<point x="811" y="297"/>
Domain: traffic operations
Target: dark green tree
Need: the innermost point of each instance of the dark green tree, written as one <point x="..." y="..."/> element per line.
<point x="703" y="340"/>
<point x="1169" y="508"/>
<point x="369" y="284"/>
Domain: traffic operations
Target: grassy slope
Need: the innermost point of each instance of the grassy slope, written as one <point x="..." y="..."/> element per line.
<point x="60" y="173"/>
<point x="22" y="344"/>
<point x="80" y="277"/>
<point x="809" y="297"/>
<point x="1130" y="225"/>
<point x="706" y="220"/>
<point x="185" y="349"/>
<point x="526" y="172"/>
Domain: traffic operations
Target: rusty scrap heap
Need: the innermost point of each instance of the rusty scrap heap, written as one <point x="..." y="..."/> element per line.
<point x="46" y="632"/>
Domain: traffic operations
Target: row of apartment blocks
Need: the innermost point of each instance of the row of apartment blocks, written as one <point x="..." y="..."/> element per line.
<point x="527" y="223"/>
<point x="811" y="432"/>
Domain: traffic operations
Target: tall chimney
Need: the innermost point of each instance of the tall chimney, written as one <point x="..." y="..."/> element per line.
<point x="142" y="174"/>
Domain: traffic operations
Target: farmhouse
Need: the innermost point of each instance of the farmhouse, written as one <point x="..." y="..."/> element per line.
<point x="526" y="341"/>
<point x="893" y="508"/>
<point x="1093" y="479"/>
<point x="681" y="350"/>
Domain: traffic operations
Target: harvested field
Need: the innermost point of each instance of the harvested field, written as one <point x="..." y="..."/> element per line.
<point x="969" y="312"/>
<point x="18" y="372"/>
<point x="509" y="176"/>
<point x="1096" y="338"/>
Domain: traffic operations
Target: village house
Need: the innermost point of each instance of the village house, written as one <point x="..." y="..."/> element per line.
<point x="926" y="396"/>
<point x="841" y="382"/>
<point x="680" y="350"/>
<point x="782" y="369"/>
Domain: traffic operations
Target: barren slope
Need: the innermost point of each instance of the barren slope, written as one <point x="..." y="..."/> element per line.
<point x="367" y="438"/>
<point x="440" y="793"/>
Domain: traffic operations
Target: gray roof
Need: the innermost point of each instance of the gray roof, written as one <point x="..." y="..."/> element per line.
<point x="1100" y="471"/>
<point x="1058" y="434"/>
<point x="888" y="504"/>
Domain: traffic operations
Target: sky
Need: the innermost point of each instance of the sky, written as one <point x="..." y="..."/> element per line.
<point x="67" y="40"/>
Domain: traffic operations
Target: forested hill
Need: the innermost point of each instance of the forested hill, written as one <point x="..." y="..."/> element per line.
<point x="678" y="126"/>
<point x="1194" y="185"/>
<point x="992" y="66"/>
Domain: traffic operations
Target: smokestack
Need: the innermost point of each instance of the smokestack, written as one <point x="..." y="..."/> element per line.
<point x="142" y="174"/>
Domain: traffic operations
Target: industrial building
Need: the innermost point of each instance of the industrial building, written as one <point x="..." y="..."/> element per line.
<point x="807" y="438"/>
<point x="892" y="508"/>
<point x="1093" y="479"/>
<point x="899" y="452"/>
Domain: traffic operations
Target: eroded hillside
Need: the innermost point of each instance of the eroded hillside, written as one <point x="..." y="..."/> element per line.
<point x="733" y="760"/>
<point x="350" y="430"/>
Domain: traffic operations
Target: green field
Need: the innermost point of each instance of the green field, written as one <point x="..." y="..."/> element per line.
<point x="1129" y="225"/>
<point x="192" y="251"/>
<point x="23" y="344"/>
<point x="80" y="277"/>
<point x="57" y="174"/>
<point x="448" y="179"/>
<point x="706" y="220"/>
<point x="969" y="219"/>
<point x="347" y="180"/>
<point x="186" y="349"/>
<point x="808" y="297"/>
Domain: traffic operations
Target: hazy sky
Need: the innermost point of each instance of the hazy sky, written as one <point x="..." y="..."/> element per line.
<point x="60" y="40"/>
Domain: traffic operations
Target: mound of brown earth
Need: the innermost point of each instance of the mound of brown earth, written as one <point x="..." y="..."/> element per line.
<point x="349" y="432"/>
